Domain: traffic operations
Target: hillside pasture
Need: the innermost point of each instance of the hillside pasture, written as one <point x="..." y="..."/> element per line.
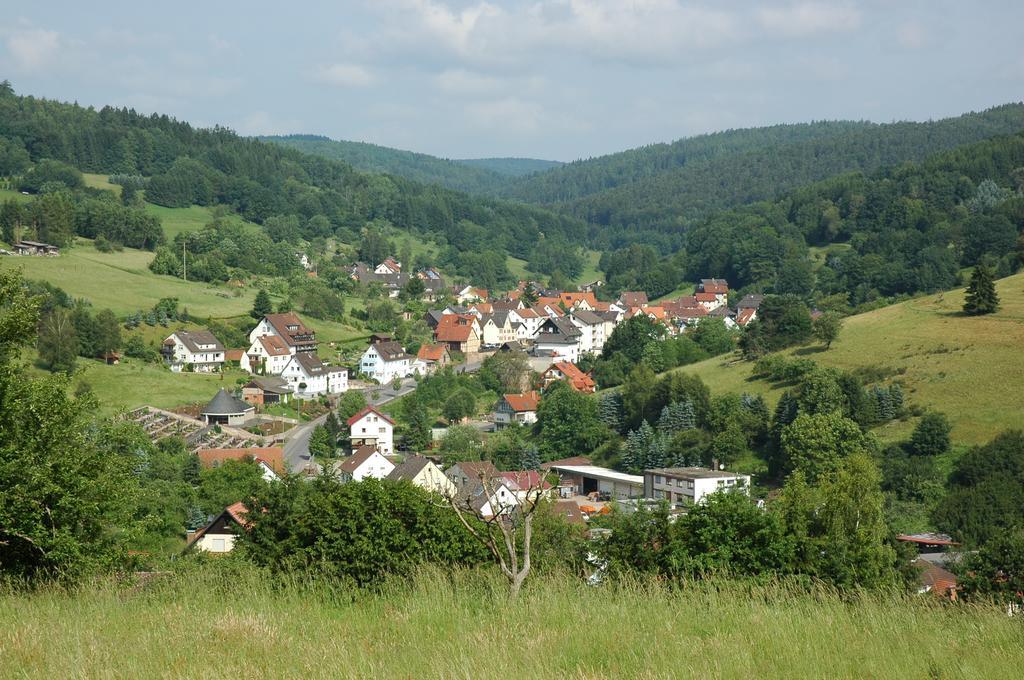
<point x="123" y="282"/>
<point x="100" y="182"/>
<point x="970" y="368"/>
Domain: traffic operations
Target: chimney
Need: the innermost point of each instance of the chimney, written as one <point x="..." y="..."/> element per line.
<point x="715" y="466"/>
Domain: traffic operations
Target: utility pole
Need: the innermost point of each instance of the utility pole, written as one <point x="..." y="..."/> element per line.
<point x="184" y="270"/>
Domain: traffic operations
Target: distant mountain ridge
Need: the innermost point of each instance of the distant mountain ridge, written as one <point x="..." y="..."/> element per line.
<point x="662" y="189"/>
<point x="479" y="176"/>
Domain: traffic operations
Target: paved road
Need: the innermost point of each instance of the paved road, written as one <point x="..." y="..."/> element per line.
<point x="296" y="442"/>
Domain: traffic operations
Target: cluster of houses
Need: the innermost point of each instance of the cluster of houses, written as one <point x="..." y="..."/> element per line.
<point x="281" y="355"/>
<point x="32" y="248"/>
<point x="389" y="275"/>
<point x="571" y="483"/>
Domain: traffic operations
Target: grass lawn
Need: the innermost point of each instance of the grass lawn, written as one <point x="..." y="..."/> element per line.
<point x="100" y="182"/>
<point x="461" y="625"/>
<point x="122" y="281"/>
<point x="590" y="271"/>
<point x="193" y="218"/>
<point x="970" y="368"/>
<point x="8" y="194"/>
<point x="683" y="289"/>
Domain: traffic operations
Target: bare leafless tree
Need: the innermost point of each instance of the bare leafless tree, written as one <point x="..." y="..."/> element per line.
<point x="501" y="518"/>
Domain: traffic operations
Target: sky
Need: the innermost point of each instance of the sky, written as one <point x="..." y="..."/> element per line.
<point x="553" y="79"/>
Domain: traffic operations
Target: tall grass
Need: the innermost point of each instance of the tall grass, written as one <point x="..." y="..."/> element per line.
<point x="225" y="623"/>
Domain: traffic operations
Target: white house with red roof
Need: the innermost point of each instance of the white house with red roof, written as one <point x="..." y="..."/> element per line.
<point x="516" y="408"/>
<point x="370" y="427"/>
<point x="267" y="355"/>
<point x="290" y="328"/>
<point x="568" y="371"/>
<point x="389" y="266"/>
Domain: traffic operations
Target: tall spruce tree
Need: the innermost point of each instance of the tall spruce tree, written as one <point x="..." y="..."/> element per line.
<point x="981" y="293"/>
<point x="676" y="417"/>
<point x="262" y="305"/>
<point x="610" y="410"/>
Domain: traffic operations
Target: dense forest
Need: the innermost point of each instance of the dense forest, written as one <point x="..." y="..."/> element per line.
<point x="651" y="194"/>
<point x="182" y="165"/>
<point x="479" y="176"/>
<point x="898" y="231"/>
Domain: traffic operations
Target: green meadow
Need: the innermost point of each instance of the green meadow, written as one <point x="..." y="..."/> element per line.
<point x="970" y="368"/>
<point x="462" y="625"/>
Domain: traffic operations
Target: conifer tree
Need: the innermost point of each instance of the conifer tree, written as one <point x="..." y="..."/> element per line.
<point x="262" y="305"/>
<point x="610" y="409"/>
<point x="531" y="458"/>
<point x="981" y="293"/>
<point x="676" y="417"/>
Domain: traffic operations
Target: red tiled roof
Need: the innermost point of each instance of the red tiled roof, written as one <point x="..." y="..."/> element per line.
<point x="634" y="298"/>
<point x="483" y="307"/>
<point x="273" y="456"/>
<point x="706" y="297"/>
<point x="569" y="299"/>
<point x="571" y="460"/>
<point x="521" y="480"/>
<point x="938" y="579"/>
<point x="715" y="286"/>
<point x="527" y="401"/>
<point x="274" y="346"/>
<point x="369" y="409"/>
<point x="234" y="354"/>
<point x="579" y="380"/>
<point x="431" y="352"/>
<point x="745" y="316"/>
<point x="238" y="511"/>
<point x="454" y="328"/>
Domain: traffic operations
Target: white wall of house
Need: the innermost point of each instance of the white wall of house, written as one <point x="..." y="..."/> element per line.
<point x="328" y="382"/>
<point x="433" y="479"/>
<point x="274" y="365"/>
<point x="592" y="338"/>
<point x="374" y="366"/>
<point x="374" y="467"/>
<point x="262" y="328"/>
<point x="493" y="334"/>
<point x="501" y="501"/>
<point x="216" y="543"/>
<point x="202" y="362"/>
<point x="569" y="352"/>
<point x="372" y="426"/>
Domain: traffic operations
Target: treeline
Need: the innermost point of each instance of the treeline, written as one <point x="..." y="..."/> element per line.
<point x="260" y="180"/>
<point x="64" y="208"/>
<point x="651" y="194"/>
<point x="900" y="231"/>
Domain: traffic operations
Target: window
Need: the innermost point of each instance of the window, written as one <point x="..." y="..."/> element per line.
<point x="721" y="482"/>
<point x="689" y="484"/>
<point x="658" y="479"/>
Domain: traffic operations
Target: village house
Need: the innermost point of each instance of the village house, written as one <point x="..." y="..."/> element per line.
<point x="459" y="332"/>
<point x="493" y="498"/>
<point x="497" y="328"/>
<point x="564" y="370"/>
<point x="592" y="330"/>
<point x="581" y="300"/>
<point x="266" y="391"/>
<point x="385" y="361"/>
<point x="198" y="351"/>
<point x="745" y="316"/>
<point x="467" y="475"/>
<point x="527" y="485"/>
<point x="269" y="459"/>
<point x="431" y="358"/>
<point x="709" y="301"/>
<point x="268" y="355"/>
<point x="304" y="261"/>
<point x="35" y="248"/>
<point x="389" y="266"/>
<point x="219" y="535"/>
<point x="560" y="338"/>
<point x="516" y="408"/>
<point x="466" y="294"/>
<point x="688" y="486"/>
<point x="366" y="462"/>
<point x="310" y="378"/>
<point x="530" y="320"/>
<point x="636" y="298"/>
<point x="225" y="409"/>
<point x="422" y="472"/>
<point x="372" y="428"/>
<point x="289" y="327"/>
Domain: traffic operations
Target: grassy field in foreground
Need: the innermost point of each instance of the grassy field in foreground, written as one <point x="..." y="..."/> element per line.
<point x="463" y="626"/>
<point x="123" y="282"/>
<point x="970" y="368"/>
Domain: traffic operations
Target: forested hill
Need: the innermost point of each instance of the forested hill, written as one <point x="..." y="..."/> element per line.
<point x="665" y="187"/>
<point x="179" y="165"/>
<point x="513" y="167"/>
<point x="479" y="176"/>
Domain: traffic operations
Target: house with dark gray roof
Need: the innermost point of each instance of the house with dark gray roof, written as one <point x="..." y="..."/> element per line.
<point x="422" y="472"/>
<point x="198" y="351"/>
<point x="310" y="377"/>
<point x="385" y="361"/>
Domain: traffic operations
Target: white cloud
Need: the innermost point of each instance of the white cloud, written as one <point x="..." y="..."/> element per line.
<point x="344" y="75"/>
<point x="33" y="48"/>
<point x="806" y="18"/>
<point x="461" y="81"/>
<point x="262" y="123"/>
